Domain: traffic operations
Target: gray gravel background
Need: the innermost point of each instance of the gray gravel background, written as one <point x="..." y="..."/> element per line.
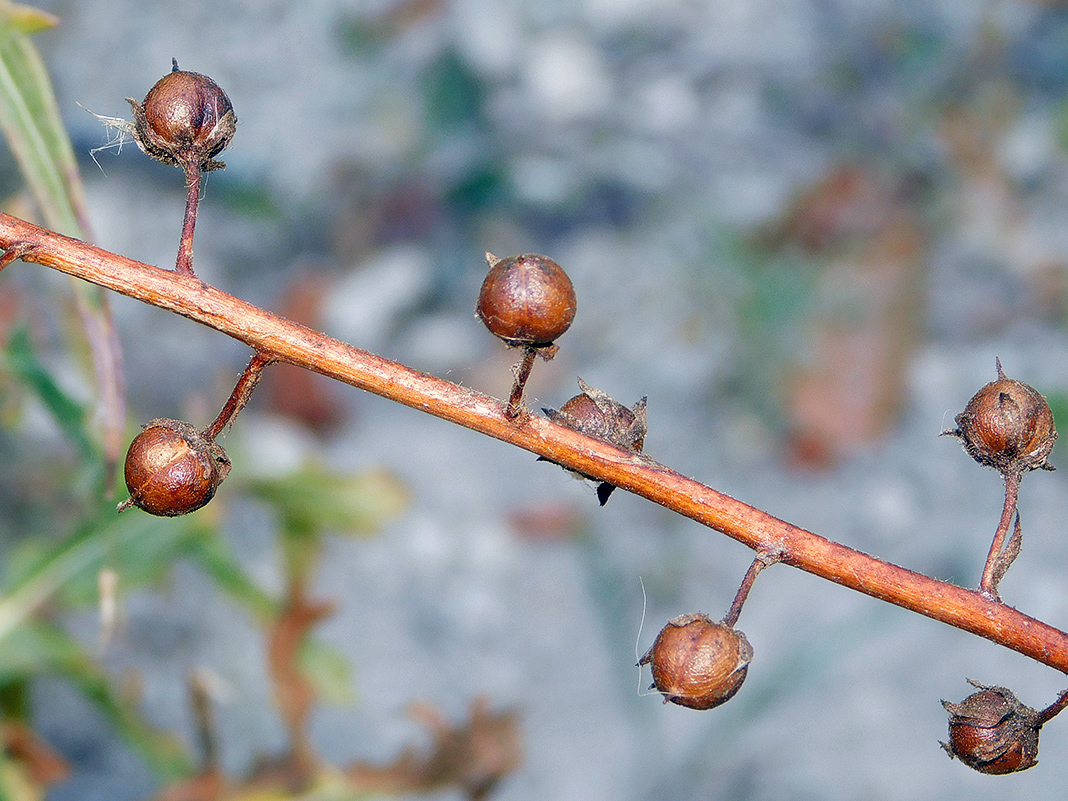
<point x="662" y="119"/>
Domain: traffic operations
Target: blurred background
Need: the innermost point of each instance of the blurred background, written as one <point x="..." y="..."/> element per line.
<point x="803" y="228"/>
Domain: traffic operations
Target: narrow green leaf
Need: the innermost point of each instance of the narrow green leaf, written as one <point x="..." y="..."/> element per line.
<point x="15" y="782"/>
<point x="328" y="670"/>
<point x="213" y="556"/>
<point x="69" y="414"/>
<point x="163" y="750"/>
<point x="315" y="500"/>
<point x="139" y="547"/>
<point x="34" y="129"/>
<point x="37" y="648"/>
<point x="26" y="19"/>
<point x="35" y="132"/>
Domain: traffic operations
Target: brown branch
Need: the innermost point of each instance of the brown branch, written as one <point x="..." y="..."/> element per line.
<point x="268" y="333"/>
<point x="1054" y="709"/>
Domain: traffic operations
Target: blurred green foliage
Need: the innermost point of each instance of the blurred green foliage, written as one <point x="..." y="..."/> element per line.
<point x="53" y="561"/>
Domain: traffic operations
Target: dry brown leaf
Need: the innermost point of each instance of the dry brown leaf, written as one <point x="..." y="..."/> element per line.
<point x="42" y="762"/>
<point x="549" y="521"/>
<point x="851" y="387"/>
<point x="473" y="756"/>
<point x="294" y="392"/>
<point x="207" y="786"/>
<point x="293" y="692"/>
<point x="849" y="201"/>
<point x="408" y="13"/>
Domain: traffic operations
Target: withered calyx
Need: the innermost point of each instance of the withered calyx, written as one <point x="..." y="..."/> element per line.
<point x="597" y="414"/>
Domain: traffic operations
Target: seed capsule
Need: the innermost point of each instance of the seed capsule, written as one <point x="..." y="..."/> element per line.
<point x="186" y="119"/>
<point x="172" y="469"/>
<point x="698" y="663"/>
<point x="597" y="414"/>
<point x="1007" y="425"/>
<point x="992" y="732"/>
<point x="526" y="300"/>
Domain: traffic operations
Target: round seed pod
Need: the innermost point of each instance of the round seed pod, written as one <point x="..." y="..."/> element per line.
<point x="1008" y="425"/>
<point x="596" y="414"/>
<point x="171" y="469"/>
<point x="698" y="663"/>
<point x="526" y="300"/>
<point x="992" y="732"/>
<point x="185" y="119"/>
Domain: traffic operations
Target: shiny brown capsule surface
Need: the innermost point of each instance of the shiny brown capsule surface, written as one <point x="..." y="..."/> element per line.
<point x="527" y="300"/>
<point x="698" y="663"/>
<point x="992" y="732"/>
<point x="1008" y="425"/>
<point x="171" y="469"/>
<point x="186" y="119"/>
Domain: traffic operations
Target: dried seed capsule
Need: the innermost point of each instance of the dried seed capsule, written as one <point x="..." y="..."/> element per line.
<point x="698" y="663"/>
<point x="992" y="732"/>
<point x="186" y="119"/>
<point x="172" y="469"/>
<point x="1007" y="425"/>
<point x="597" y="414"/>
<point x="526" y="300"/>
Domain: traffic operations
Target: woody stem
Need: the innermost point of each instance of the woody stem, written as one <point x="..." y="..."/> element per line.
<point x="995" y="561"/>
<point x="955" y="606"/>
<point x="241" y="394"/>
<point x="1054" y="709"/>
<point x="522" y="373"/>
<point x="740" y="597"/>
<point x="184" y="263"/>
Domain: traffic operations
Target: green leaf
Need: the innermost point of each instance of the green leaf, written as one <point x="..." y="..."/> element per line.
<point x="139" y="547"/>
<point x="69" y="414"/>
<point x="162" y="750"/>
<point x="15" y="782"/>
<point x="313" y="500"/>
<point x="35" y="648"/>
<point x="26" y="19"/>
<point x="34" y="129"/>
<point x="455" y="95"/>
<point x="35" y="132"/>
<point x="213" y="556"/>
<point x="328" y="670"/>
